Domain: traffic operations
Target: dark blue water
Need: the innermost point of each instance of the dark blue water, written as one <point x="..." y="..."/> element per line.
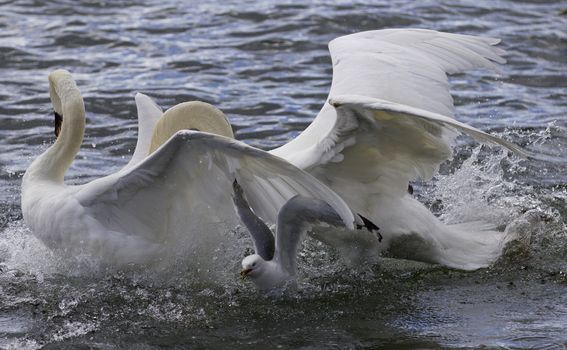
<point x="267" y="67"/>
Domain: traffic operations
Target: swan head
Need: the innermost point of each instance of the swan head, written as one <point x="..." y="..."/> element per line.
<point x="264" y="274"/>
<point x="194" y="115"/>
<point x="61" y="84"/>
<point x="54" y="78"/>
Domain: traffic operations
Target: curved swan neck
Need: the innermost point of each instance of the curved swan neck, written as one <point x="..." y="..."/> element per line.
<point x="68" y="102"/>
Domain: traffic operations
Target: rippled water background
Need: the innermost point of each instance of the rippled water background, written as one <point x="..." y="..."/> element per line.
<point x="266" y="66"/>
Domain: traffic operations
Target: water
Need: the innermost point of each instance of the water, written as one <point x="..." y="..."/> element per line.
<point x="266" y="66"/>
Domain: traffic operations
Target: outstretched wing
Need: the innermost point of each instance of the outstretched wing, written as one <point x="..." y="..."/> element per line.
<point x="395" y="122"/>
<point x="391" y="144"/>
<point x="183" y="190"/>
<point x="148" y="115"/>
<point x="408" y="66"/>
<point x="404" y="66"/>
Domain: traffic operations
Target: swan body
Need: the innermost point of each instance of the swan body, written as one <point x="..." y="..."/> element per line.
<point x="275" y="261"/>
<point x="159" y="204"/>
<point x="388" y="121"/>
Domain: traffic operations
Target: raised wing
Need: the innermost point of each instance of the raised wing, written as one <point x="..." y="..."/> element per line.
<point x="148" y="115"/>
<point x="183" y="190"/>
<point x="379" y="146"/>
<point x="405" y="66"/>
<point x="397" y="142"/>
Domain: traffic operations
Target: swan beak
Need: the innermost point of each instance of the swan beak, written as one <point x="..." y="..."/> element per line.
<point x="244" y="273"/>
<point x="58" y="122"/>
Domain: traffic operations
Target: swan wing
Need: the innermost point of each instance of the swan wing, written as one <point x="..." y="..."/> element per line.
<point x="395" y="123"/>
<point x="405" y="66"/>
<point x="186" y="185"/>
<point x="379" y="146"/>
<point x="148" y="115"/>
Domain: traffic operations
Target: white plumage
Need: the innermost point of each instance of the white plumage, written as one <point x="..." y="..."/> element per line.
<point x="392" y="123"/>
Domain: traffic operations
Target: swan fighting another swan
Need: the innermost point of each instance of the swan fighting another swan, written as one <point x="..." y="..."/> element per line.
<point x="388" y="121"/>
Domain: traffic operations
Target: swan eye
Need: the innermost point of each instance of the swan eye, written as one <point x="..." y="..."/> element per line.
<point x="254" y="264"/>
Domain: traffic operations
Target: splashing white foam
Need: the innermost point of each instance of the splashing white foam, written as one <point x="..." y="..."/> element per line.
<point x="205" y="261"/>
<point x="477" y="191"/>
<point x="21" y="251"/>
<point x="20" y="344"/>
<point x="486" y="188"/>
<point x="74" y="329"/>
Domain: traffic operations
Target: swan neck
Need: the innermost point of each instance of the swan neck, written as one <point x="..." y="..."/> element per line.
<point x="53" y="163"/>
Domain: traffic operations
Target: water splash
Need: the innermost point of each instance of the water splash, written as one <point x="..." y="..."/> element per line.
<point x="486" y="187"/>
<point x="22" y="252"/>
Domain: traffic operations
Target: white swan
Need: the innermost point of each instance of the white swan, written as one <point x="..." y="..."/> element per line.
<point x="150" y="210"/>
<point x="388" y="121"/>
<point x="274" y="263"/>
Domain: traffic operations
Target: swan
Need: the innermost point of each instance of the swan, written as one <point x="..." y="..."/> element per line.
<point x="389" y="120"/>
<point x="274" y="263"/>
<point x="176" y="185"/>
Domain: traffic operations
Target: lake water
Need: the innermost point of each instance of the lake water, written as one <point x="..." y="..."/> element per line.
<point x="266" y="66"/>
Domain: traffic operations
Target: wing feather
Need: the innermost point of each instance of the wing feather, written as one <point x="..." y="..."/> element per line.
<point x="184" y="190"/>
<point x="393" y="123"/>
<point x="148" y="115"/>
<point x="407" y="66"/>
<point x="404" y="66"/>
<point x="394" y="144"/>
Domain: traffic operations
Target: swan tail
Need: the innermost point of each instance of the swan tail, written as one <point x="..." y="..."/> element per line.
<point x="412" y="232"/>
<point x="466" y="246"/>
<point x="471" y="245"/>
